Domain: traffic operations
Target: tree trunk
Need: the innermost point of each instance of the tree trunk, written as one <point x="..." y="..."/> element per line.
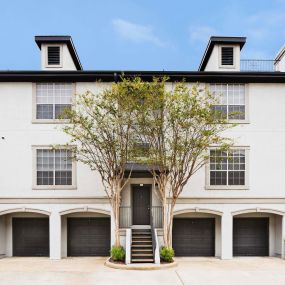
<point x="116" y="210"/>
<point x="168" y="226"/>
<point x="165" y="221"/>
<point x="117" y="225"/>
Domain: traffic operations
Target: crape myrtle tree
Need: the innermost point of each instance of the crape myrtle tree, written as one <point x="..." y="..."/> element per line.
<point x="111" y="128"/>
<point x="179" y="126"/>
<point x="101" y="129"/>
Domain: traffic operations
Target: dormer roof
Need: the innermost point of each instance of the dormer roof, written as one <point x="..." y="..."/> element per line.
<point x="61" y="40"/>
<point x="219" y="40"/>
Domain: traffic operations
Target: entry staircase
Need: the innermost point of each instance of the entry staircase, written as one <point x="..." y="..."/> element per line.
<point x="142" y="247"/>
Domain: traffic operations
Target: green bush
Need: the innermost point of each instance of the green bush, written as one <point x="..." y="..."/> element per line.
<point x="118" y="253"/>
<point x="166" y="253"/>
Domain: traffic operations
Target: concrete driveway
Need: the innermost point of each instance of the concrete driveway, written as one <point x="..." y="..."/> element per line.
<point x="190" y="271"/>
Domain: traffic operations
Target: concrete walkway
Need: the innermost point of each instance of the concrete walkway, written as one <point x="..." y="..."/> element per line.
<point x="190" y="271"/>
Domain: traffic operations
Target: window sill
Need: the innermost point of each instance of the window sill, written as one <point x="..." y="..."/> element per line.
<point x="50" y="121"/>
<point x="229" y="188"/>
<point x="227" y="66"/>
<point x="239" y="122"/>
<point x="53" y="187"/>
<point x="53" y="66"/>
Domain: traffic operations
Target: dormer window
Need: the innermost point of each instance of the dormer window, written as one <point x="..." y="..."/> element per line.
<point x="227" y="56"/>
<point x="53" y="55"/>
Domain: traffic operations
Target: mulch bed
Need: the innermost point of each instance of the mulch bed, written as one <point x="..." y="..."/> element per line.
<point x="116" y="262"/>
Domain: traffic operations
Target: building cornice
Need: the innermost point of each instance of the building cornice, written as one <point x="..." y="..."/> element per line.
<point x="115" y="75"/>
<point x="105" y="200"/>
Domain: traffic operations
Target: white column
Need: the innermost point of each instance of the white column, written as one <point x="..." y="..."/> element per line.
<point x="128" y="245"/>
<point x="227" y="236"/>
<point x="283" y="237"/>
<point x="55" y="235"/>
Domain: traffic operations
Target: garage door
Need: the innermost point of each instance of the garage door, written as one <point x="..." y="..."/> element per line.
<point x="251" y="237"/>
<point x="194" y="237"/>
<point x="88" y="236"/>
<point x="30" y="236"/>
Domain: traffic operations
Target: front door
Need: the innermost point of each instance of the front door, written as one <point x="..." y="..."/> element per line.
<point x="141" y="204"/>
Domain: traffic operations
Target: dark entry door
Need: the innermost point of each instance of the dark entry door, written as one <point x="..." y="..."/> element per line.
<point x="30" y="236"/>
<point x="141" y="204"/>
<point x="251" y="237"/>
<point x="194" y="236"/>
<point x="88" y="236"/>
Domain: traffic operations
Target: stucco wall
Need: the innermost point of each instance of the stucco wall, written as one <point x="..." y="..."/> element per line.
<point x="264" y="135"/>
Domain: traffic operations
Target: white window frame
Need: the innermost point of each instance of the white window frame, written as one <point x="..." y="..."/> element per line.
<point x="208" y="186"/>
<point x="34" y="106"/>
<point x="246" y="100"/>
<point x="60" y="56"/>
<point x="52" y="187"/>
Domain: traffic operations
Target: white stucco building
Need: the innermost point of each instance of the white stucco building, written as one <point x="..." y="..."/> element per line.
<point x="51" y="206"/>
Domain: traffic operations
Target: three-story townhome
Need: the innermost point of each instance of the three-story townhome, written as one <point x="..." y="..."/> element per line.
<point x="53" y="206"/>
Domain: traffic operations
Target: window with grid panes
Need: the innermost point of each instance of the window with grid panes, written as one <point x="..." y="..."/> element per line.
<point x="227" y="167"/>
<point x="231" y="100"/>
<point x="54" y="167"/>
<point x="52" y="99"/>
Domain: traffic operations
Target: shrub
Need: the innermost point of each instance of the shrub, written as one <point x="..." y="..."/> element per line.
<point x="117" y="253"/>
<point x="166" y="253"/>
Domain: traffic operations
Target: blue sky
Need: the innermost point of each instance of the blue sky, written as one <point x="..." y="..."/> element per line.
<point x="138" y="34"/>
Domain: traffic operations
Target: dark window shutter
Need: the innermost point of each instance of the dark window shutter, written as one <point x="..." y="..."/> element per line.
<point x="53" y="55"/>
<point x="227" y="56"/>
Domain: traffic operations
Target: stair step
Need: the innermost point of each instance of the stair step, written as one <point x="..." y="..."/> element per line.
<point x="142" y="254"/>
<point x="144" y="250"/>
<point x="143" y="237"/>
<point x="134" y="260"/>
<point x="142" y="245"/>
<point x="145" y="241"/>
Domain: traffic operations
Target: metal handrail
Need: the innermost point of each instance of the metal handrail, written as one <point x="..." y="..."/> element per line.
<point x="152" y="233"/>
<point x="126" y="216"/>
<point x="258" y="65"/>
<point x="157" y="216"/>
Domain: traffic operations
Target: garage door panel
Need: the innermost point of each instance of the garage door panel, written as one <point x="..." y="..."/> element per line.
<point x="251" y="237"/>
<point x="88" y="236"/>
<point x="30" y="236"/>
<point x="194" y="237"/>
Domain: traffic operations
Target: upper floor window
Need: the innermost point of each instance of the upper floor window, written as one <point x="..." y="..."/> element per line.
<point x="52" y="99"/>
<point x="54" y="168"/>
<point x="228" y="169"/>
<point x="227" y="56"/>
<point x="231" y="100"/>
<point x="53" y="55"/>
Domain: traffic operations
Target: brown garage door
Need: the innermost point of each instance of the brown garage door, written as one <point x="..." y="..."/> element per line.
<point x="251" y="237"/>
<point x="194" y="237"/>
<point x="30" y="236"/>
<point x="88" y="236"/>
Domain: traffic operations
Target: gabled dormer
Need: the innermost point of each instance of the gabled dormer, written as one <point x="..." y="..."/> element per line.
<point x="58" y="53"/>
<point x="222" y="54"/>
